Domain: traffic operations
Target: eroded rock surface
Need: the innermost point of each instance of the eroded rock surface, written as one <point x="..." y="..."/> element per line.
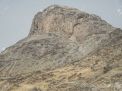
<point x="66" y="50"/>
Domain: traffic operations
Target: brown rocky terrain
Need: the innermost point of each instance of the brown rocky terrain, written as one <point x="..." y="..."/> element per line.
<point x="66" y="50"/>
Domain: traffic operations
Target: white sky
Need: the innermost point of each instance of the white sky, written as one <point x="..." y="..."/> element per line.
<point x="16" y="15"/>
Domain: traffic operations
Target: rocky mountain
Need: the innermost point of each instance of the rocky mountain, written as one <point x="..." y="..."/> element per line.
<point x="66" y="50"/>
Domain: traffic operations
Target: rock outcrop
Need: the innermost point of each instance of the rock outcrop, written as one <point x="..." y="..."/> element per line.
<point x="66" y="50"/>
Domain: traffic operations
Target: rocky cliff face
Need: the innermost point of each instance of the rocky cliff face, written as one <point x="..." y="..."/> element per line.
<point x="66" y="50"/>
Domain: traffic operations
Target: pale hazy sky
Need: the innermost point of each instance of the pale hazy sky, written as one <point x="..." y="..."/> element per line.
<point x="16" y="15"/>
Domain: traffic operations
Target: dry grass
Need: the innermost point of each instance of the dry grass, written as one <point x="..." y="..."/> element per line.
<point x="66" y="73"/>
<point x="28" y="87"/>
<point x="73" y="72"/>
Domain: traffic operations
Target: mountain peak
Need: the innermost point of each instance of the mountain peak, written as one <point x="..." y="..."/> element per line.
<point x="67" y="21"/>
